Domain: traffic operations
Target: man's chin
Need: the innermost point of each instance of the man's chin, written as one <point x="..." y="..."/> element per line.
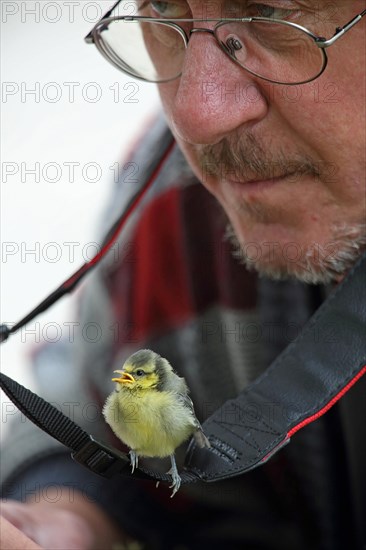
<point x="315" y="263"/>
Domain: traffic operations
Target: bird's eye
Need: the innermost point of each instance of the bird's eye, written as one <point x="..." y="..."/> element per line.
<point x="140" y="372"/>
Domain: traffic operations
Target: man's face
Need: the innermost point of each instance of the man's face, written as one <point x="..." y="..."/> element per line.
<point x="287" y="163"/>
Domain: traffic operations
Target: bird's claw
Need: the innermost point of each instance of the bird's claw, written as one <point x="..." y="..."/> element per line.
<point x="175" y="485"/>
<point x="176" y="479"/>
<point x="134" y="460"/>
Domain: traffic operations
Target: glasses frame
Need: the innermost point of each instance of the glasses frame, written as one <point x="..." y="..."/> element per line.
<point x="94" y="37"/>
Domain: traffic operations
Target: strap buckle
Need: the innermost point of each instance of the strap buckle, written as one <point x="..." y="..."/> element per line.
<point x="101" y="459"/>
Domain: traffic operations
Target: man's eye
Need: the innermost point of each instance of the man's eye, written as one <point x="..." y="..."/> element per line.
<point x="271" y="12"/>
<point x="171" y="10"/>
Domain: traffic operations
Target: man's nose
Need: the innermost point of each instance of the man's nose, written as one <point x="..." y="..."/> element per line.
<point x="214" y="96"/>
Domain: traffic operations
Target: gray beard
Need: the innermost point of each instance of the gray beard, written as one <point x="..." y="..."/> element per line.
<point x="314" y="265"/>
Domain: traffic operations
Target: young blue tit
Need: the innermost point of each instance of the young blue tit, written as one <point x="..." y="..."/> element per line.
<point x="150" y="410"/>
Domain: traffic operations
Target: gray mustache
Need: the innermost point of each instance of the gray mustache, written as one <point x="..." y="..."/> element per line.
<point x="247" y="160"/>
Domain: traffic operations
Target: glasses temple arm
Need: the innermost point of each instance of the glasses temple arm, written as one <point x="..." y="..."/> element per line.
<point x="89" y="37"/>
<point x="340" y="31"/>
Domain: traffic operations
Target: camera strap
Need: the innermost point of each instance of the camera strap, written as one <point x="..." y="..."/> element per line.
<point x="303" y="383"/>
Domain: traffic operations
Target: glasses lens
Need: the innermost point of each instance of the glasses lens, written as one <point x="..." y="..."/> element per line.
<point x="274" y="51"/>
<point x="152" y="51"/>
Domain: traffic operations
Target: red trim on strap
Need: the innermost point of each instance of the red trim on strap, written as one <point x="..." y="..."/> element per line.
<point x="328" y="405"/>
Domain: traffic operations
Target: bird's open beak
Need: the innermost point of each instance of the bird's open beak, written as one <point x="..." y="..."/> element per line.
<point x="125" y="378"/>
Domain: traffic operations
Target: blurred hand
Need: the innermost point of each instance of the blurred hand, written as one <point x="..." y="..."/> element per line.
<point x="13" y="539"/>
<point x="64" y="524"/>
<point x="50" y="527"/>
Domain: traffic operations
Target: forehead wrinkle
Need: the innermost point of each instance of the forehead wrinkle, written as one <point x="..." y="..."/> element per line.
<point x="280" y="3"/>
<point x="276" y="3"/>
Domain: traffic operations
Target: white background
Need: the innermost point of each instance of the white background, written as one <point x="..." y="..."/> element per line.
<point x="94" y="120"/>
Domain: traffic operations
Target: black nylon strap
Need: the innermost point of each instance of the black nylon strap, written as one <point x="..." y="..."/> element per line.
<point x="300" y="385"/>
<point x="55" y="423"/>
<point x="44" y="415"/>
<point x="303" y="382"/>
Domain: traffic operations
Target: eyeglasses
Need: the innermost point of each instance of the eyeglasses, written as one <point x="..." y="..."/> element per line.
<point x="153" y="50"/>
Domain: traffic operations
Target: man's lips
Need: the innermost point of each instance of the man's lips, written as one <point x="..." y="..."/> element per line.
<point x="243" y="179"/>
<point x="253" y="185"/>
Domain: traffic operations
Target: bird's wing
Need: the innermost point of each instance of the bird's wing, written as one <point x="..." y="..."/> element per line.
<point x="188" y="403"/>
<point x="198" y="435"/>
<point x="200" y="438"/>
